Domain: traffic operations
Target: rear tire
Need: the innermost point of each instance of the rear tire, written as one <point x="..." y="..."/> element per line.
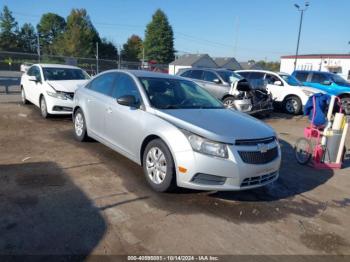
<point x="159" y="167"/>
<point x="80" y="132"/>
<point x="292" y="105"/>
<point x="43" y="108"/>
<point x="303" y="151"/>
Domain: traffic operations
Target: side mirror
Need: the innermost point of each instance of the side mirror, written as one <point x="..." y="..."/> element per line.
<point x="217" y="81"/>
<point x="33" y="78"/>
<point x="327" y="83"/>
<point x="127" y="100"/>
<point x="277" y="83"/>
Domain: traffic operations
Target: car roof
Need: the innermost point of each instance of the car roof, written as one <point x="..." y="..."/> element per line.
<point x="314" y="71"/>
<point x="57" y="66"/>
<point x="257" y="70"/>
<point x="144" y="73"/>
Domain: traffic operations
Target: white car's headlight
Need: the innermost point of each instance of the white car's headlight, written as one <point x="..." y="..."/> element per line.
<point x="308" y="93"/>
<point x="59" y="95"/>
<point x="206" y="146"/>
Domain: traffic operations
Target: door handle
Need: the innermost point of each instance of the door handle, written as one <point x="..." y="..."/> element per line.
<point x="109" y="110"/>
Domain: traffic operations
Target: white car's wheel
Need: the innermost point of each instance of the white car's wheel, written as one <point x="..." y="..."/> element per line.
<point x="229" y="102"/>
<point x="23" y="97"/>
<point x="43" y="108"/>
<point x="158" y="166"/>
<point x="292" y="105"/>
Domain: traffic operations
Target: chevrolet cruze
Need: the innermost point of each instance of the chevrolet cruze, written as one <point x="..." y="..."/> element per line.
<point x="179" y="133"/>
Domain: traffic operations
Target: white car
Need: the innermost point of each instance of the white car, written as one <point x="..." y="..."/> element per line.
<point x="51" y="87"/>
<point x="286" y="90"/>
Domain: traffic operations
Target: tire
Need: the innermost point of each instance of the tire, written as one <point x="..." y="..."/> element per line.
<point x="157" y="159"/>
<point x="43" y="108"/>
<point x="23" y="97"/>
<point x="292" y="105"/>
<point x="229" y="102"/>
<point x="80" y="132"/>
<point x="303" y="151"/>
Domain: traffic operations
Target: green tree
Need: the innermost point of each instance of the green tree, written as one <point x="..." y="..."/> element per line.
<point x="132" y="49"/>
<point x="271" y="66"/>
<point x="28" y="39"/>
<point x="80" y="37"/>
<point x="50" y="29"/>
<point x="107" y="50"/>
<point x="159" y="39"/>
<point x="9" y="40"/>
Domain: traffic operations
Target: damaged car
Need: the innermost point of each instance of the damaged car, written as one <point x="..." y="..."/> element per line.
<point x="51" y="87"/>
<point x="232" y="89"/>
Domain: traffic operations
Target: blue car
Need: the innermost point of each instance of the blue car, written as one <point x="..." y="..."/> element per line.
<point x="330" y="83"/>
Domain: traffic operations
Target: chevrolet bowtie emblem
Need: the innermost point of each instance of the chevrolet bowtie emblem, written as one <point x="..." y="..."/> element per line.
<point x="263" y="148"/>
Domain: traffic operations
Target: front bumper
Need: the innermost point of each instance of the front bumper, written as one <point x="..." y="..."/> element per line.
<point x="56" y="106"/>
<point x="237" y="174"/>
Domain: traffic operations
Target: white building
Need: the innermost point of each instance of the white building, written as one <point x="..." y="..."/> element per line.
<point x="335" y="63"/>
<point x="191" y="60"/>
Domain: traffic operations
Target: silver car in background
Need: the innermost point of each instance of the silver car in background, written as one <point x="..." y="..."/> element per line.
<point x="232" y="89"/>
<point x="179" y="133"/>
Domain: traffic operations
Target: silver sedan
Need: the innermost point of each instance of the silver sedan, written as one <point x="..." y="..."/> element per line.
<point x="179" y="133"/>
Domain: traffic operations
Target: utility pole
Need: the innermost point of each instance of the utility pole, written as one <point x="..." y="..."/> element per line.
<point x="120" y="57"/>
<point x="301" y="10"/>
<point x="97" y="69"/>
<point x="143" y="57"/>
<point x="38" y="46"/>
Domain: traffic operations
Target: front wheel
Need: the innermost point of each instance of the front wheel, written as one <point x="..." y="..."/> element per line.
<point x="303" y="151"/>
<point x="80" y="132"/>
<point x="229" y="102"/>
<point x="23" y="97"/>
<point x="158" y="166"/>
<point x="292" y="105"/>
<point x="345" y="103"/>
<point x="43" y="108"/>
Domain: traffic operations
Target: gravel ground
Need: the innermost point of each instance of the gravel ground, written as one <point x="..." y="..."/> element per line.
<point x="59" y="196"/>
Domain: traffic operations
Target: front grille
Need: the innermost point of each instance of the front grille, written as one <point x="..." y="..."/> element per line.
<point x="257" y="157"/>
<point x="258" y="180"/>
<point x="254" y="142"/>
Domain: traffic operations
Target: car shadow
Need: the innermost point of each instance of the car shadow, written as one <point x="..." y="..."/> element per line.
<point x="276" y="201"/>
<point x="43" y="212"/>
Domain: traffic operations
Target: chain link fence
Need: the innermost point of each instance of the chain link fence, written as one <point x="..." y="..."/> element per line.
<point x="12" y="61"/>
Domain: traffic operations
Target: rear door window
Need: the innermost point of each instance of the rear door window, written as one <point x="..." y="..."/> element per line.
<point x="186" y="73"/>
<point x="271" y="79"/>
<point x="196" y="74"/>
<point x="318" y="78"/>
<point x="209" y="76"/>
<point x="103" y="84"/>
<point x="301" y="76"/>
<point x="256" y="75"/>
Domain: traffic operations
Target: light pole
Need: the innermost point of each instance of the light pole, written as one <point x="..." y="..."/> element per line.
<point x="301" y="10"/>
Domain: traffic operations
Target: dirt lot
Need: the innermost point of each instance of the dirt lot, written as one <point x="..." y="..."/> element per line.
<point x="58" y="196"/>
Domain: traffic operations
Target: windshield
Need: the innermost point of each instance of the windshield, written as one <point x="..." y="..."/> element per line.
<point x="229" y="76"/>
<point x="339" y="80"/>
<point x="55" y="74"/>
<point x="164" y="93"/>
<point x="291" y="80"/>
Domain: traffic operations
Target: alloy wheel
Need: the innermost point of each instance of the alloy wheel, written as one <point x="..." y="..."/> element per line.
<point x="43" y="107"/>
<point x="156" y="165"/>
<point x="229" y="103"/>
<point x="79" y="124"/>
<point x="23" y="96"/>
<point x="292" y="106"/>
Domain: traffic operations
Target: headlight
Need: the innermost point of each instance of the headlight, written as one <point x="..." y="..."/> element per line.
<point x="206" y="146"/>
<point x="59" y="95"/>
<point x="308" y="93"/>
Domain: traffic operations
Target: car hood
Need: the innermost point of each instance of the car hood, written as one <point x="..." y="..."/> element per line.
<point x="68" y="86"/>
<point x="222" y="125"/>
